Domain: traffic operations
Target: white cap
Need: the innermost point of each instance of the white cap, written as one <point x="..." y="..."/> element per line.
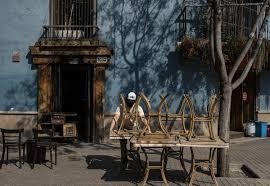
<point x="131" y="96"/>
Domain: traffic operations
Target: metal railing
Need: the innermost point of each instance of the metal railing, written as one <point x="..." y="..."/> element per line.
<point x="194" y="21"/>
<point x="69" y="32"/>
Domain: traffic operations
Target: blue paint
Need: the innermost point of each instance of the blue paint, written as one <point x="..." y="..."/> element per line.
<point x="143" y="34"/>
<point x="21" y="27"/>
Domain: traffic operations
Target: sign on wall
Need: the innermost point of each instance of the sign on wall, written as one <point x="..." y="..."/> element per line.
<point x="16" y="56"/>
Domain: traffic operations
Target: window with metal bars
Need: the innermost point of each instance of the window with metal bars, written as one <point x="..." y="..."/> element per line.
<point x="72" y="19"/>
<point x="238" y="19"/>
<point x="73" y="12"/>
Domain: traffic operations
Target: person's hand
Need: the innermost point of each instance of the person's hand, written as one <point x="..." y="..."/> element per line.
<point x="113" y="131"/>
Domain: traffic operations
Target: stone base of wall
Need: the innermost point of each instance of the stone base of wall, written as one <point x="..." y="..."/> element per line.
<point x="263" y="116"/>
<point x="27" y="120"/>
<point x="15" y="120"/>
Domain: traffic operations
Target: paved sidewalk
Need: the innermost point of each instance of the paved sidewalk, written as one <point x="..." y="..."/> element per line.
<point x="88" y="164"/>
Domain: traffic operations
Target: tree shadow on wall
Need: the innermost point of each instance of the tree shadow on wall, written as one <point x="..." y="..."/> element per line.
<point x="191" y="77"/>
<point x="142" y="34"/>
<point x="22" y="96"/>
<point x="194" y="20"/>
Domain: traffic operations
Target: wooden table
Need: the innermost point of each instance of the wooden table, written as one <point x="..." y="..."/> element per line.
<point x="166" y="144"/>
<point x="127" y="135"/>
<point x="122" y="135"/>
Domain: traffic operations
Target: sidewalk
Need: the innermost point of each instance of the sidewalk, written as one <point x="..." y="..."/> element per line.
<point x="88" y="164"/>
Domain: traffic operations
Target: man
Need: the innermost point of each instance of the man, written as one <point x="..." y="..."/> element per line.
<point x="129" y="124"/>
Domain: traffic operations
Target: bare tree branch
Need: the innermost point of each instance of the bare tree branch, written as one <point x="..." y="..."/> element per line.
<point x="212" y="39"/>
<point x="218" y="41"/>
<point x="255" y="53"/>
<point x="249" y="43"/>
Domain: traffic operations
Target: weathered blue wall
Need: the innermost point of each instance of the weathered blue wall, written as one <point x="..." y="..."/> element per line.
<point x="21" y="25"/>
<point x="143" y="34"/>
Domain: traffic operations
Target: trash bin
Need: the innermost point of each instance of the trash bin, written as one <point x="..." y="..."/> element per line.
<point x="261" y="129"/>
<point x="250" y="129"/>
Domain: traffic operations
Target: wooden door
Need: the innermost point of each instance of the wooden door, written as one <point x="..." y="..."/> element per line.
<point x="243" y="103"/>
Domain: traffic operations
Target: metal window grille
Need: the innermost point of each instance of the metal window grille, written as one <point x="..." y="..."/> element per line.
<point x="238" y="19"/>
<point x="72" y="19"/>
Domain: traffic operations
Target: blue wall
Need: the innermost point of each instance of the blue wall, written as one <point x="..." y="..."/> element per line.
<point x="143" y="34"/>
<point x="21" y="24"/>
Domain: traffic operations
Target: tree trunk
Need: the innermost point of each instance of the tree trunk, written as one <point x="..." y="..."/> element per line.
<point x="224" y="129"/>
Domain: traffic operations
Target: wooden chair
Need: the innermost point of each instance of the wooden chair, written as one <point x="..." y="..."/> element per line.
<point x="12" y="139"/>
<point x="176" y="122"/>
<point x="43" y="139"/>
<point x="208" y="118"/>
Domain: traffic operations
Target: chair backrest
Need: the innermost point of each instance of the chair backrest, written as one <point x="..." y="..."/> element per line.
<point x="57" y="118"/>
<point x="212" y="106"/>
<point x="11" y="136"/>
<point x="43" y="135"/>
<point x="186" y="111"/>
<point x="189" y="104"/>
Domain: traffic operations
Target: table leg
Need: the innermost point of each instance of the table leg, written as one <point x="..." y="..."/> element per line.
<point x="181" y="158"/>
<point x="180" y="154"/>
<point x="146" y="171"/>
<point x="211" y="166"/>
<point x="199" y="163"/>
<point x="161" y="167"/>
<point x="164" y="158"/>
<point x="164" y="155"/>
<point x="191" y="173"/>
<point x="135" y="155"/>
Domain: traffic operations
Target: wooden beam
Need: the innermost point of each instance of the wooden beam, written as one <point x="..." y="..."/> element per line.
<point x="45" y="88"/>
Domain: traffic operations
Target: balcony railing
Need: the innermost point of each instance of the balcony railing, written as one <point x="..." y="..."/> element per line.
<point x="238" y="20"/>
<point x="70" y="32"/>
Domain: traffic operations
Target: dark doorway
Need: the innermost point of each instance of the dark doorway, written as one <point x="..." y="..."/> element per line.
<point x="74" y="95"/>
<point x="243" y="103"/>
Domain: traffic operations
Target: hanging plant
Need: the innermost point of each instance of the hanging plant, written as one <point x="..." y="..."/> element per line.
<point x="194" y="48"/>
<point x="190" y="48"/>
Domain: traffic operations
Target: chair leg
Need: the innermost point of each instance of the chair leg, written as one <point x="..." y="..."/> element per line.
<point x="210" y="129"/>
<point x="3" y="156"/>
<point x="39" y="154"/>
<point x="55" y="153"/>
<point x="7" y="155"/>
<point x="23" y="153"/>
<point x="34" y="158"/>
<point x="211" y="168"/>
<point x="51" y="157"/>
<point x="20" y="157"/>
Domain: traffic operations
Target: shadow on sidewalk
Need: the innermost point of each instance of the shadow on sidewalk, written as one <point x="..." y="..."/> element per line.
<point x="111" y="166"/>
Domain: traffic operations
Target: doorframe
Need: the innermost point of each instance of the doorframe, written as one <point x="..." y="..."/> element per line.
<point x="46" y="53"/>
<point x="58" y="102"/>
